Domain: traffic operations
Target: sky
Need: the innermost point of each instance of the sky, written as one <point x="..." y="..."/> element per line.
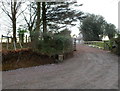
<point x="107" y="8"/>
<point x="119" y="15"/>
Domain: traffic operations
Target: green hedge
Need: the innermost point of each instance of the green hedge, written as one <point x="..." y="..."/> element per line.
<point x="55" y="44"/>
<point x="116" y="42"/>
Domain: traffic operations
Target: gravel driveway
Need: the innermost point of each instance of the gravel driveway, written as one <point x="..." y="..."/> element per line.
<point x="90" y="68"/>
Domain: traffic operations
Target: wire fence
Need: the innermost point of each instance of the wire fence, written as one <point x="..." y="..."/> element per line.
<point x="99" y="44"/>
<point x="9" y="39"/>
<point x="8" y="43"/>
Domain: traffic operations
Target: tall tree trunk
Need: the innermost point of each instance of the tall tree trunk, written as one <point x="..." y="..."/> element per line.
<point x="38" y="17"/>
<point x="14" y="12"/>
<point x="14" y="29"/>
<point x="34" y="39"/>
<point x="31" y="36"/>
<point x="44" y="18"/>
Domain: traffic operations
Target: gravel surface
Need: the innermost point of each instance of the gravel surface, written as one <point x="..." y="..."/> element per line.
<point x="90" y="68"/>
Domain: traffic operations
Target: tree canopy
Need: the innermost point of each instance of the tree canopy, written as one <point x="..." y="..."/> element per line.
<point x="110" y="30"/>
<point x="94" y="27"/>
<point x="59" y="14"/>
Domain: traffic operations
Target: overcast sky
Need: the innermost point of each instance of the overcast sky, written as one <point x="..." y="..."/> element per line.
<point x="107" y="8"/>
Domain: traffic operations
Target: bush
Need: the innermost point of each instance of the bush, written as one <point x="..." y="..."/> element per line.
<point x="116" y="45"/>
<point x="55" y="44"/>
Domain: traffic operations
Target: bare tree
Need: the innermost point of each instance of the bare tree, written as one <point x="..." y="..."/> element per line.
<point x="11" y="8"/>
<point x="30" y="17"/>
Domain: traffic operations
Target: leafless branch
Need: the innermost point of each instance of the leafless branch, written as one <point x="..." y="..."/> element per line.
<point x="25" y="18"/>
<point x="5" y="11"/>
<point x="21" y="12"/>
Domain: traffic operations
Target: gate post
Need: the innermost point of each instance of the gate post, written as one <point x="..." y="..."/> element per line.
<point x="1" y="38"/>
<point x="74" y="44"/>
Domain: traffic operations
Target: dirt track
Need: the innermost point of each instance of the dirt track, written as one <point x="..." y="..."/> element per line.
<point x="90" y="68"/>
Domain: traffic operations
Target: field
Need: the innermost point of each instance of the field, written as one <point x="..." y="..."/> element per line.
<point x="99" y="44"/>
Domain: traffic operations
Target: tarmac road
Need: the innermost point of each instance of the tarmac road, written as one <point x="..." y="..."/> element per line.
<point x="90" y="68"/>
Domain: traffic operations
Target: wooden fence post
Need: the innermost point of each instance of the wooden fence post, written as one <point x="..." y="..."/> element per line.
<point x="14" y="45"/>
<point x="104" y="45"/>
<point x="7" y="42"/>
<point x="1" y="38"/>
<point x="20" y="44"/>
<point x="26" y="38"/>
<point x="74" y="44"/>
